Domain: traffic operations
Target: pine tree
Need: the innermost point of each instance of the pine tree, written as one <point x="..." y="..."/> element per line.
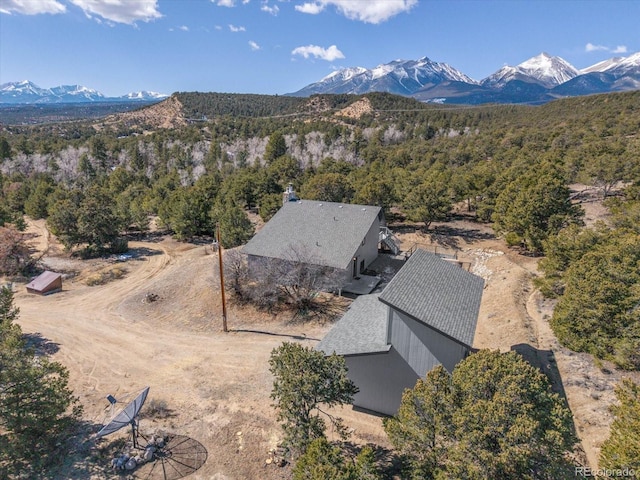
<point x="622" y="449"/>
<point x="305" y="381"/>
<point x="37" y="408"/>
<point x="494" y="417"/>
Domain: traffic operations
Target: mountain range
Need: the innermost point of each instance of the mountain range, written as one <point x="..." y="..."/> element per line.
<point x="538" y="80"/>
<point x="26" y="92"/>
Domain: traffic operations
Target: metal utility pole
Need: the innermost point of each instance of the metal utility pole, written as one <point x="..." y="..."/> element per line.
<point x="224" y="302"/>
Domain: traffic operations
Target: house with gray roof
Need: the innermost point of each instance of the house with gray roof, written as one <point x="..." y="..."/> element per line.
<point x="340" y="236"/>
<point x="426" y="316"/>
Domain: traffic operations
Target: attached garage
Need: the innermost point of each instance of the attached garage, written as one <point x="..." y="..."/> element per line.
<point x="45" y="283"/>
<point x="426" y="316"/>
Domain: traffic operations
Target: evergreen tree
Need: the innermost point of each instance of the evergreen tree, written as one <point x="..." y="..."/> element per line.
<point x="328" y="187"/>
<point x="235" y="227"/>
<point x="37" y="408"/>
<point x="622" y="449"/>
<point x="323" y="461"/>
<point x="305" y="380"/>
<point x="98" y="221"/>
<point x="269" y="205"/>
<point x="63" y="222"/>
<point x="494" y="417"/>
<point x="38" y="202"/>
<point x="429" y="201"/>
<point x="598" y="312"/>
<point x="5" y="149"/>
<point x="534" y="206"/>
<point x="276" y="147"/>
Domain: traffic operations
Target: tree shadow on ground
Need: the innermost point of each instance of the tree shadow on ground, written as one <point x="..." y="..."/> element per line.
<point x="41" y="345"/>
<point x="327" y="311"/>
<point x="140" y="252"/>
<point x="545" y="361"/>
<point x="469" y="234"/>
<point x="83" y="457"/>
<point x="149" y="237"/>
<point x="262" y="332"/>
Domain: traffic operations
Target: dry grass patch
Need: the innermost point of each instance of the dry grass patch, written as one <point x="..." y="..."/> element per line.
<point x="105" y="276"/>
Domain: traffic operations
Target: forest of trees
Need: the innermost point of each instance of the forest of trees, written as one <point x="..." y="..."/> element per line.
<point x="510" y="166"/>
<point x="507" y="165"/>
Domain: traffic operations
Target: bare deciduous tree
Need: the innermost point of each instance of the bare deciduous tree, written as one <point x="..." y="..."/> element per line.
<point x="14" y="253"/>
<point x="297" y="281"/>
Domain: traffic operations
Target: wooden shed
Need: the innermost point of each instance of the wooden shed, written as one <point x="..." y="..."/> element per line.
<point x="45" y="283"/>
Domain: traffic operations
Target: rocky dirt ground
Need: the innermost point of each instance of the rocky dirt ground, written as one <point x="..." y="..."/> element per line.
<point x="160" y="325"/>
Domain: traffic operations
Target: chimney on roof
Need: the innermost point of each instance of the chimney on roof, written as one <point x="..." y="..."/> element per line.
<point x="289" y="194"/>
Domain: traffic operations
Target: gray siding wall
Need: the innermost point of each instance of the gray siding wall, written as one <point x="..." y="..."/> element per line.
<point x="381" y="378"/>
<point x="422" y="347"/>
<point x="369" y="251"/>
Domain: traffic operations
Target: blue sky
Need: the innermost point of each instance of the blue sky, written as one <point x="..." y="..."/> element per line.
<point x="280" y="46"/>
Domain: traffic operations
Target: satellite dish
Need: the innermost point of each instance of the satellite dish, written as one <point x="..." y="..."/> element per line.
<point x="127" y="416"/>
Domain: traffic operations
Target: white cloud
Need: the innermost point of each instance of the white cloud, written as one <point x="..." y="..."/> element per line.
<point x="272" y="10"/>
<point x="310" y="8"/>
<point x="184" y="28"/>
<point x="369" y="11"/>
<point x="228" y="3"/>
<point x="329" y="54"/>
<point x="233" y="28"/>
<point x="121" y="11"/>
<point x="254" y="45"/>
<point x="590" y="47"/>
<point x="30" y="7"/>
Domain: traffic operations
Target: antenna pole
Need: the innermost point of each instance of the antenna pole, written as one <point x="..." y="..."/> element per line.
<point x="224" y="303"/>
<point x="134" y="434"/>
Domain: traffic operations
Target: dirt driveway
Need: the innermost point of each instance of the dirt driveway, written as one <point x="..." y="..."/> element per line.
<point x="115" y="340"/>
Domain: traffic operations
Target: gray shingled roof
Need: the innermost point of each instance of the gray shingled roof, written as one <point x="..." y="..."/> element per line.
<point x="437" y="293"/>
<point x="362" y="329"/>
<point x="328" y="233"/>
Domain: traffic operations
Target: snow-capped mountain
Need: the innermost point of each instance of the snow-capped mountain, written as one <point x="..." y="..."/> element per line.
<point x="26" y="92"/>
<point x="544" y="69"/>
<point x="21" y="90"/>
<point x="602" y="66"/>
<point x="549" y="71"/>
<point x="144" y="95"/>
<point x="618" y="66"/>
<point x="75" y="93"/>
<point x="401" y="77"/>
<point x="627" y="66"/>
<point x="537" y="80"/>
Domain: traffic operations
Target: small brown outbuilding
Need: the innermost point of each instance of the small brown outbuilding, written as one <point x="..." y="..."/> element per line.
<point x="45" y="283"/>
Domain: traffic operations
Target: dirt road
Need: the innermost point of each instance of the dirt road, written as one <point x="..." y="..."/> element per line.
<point x="215" y="385"/>
<point x="115" y="340"/>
